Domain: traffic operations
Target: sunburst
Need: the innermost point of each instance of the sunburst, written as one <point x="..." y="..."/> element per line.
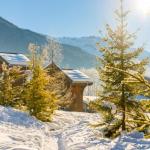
<point x="143" y="6"/>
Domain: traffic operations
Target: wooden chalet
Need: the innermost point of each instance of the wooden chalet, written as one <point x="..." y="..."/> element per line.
<point x="13" y="59"/>
<point x="74" y="79"/>
<point x="77" y="82"/>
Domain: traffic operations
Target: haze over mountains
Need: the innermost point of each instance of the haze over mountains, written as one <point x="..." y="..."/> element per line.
<point x="88" y="44"/>
<point x="15" y="39"/>
<point x="77" y="52"/>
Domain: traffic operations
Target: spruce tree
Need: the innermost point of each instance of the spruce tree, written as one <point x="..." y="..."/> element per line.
<point x="40" y="101"/>
<point x="11" y="82"/>
<point x="117" y="100"/>
<point x="139" y="120"/>
<point x="6" y="89"/>
<point x="143" y="88"/>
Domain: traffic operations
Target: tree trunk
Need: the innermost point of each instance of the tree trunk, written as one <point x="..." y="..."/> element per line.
<point x="123" y="109"/>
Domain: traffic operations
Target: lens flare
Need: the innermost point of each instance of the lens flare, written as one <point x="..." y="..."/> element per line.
<point x="143" y="6"/>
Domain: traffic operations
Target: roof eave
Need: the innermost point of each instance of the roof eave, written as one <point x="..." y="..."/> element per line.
<point x="89" y="83"/>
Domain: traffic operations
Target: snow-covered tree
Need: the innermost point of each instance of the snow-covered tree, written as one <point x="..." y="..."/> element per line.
<point x="52" y="51"/>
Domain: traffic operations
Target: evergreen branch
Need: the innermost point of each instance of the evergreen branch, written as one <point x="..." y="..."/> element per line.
<point x="139" y="77"/>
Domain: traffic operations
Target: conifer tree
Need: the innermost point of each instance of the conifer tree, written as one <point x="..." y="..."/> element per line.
<point x="117" y="98"/>
<point x="40" y="101"/>
<point x="10" y="89"/>
<point x="139" y="120"/>
<point x="141" y="117"/>
<point x="6" y="90"/>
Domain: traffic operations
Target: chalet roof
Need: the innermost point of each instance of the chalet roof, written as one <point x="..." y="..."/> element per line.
<point x="77" y="77"/>
<point x="14" y="59"/>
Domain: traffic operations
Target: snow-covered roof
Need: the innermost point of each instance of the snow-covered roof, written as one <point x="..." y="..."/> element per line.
<point x="77" y="77"/>
<point x="15" y="59"/>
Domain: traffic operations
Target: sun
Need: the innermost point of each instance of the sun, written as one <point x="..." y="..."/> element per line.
<point x="143" y="6"/>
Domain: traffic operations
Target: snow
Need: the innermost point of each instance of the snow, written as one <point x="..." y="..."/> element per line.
<point x="19" y="131"/>
<point x="77" y="76"/>
<point x="15" y="59"/>
<point x="88" y="99"/>
<point x="67" y="131"/>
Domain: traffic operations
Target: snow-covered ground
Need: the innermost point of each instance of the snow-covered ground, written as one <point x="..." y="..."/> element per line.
<point x="67" y="131"/>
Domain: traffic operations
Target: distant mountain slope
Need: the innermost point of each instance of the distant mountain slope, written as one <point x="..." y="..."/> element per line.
<point x="15" y="39"/>
<point x="88" y="44"/>
<point x="78" y="52"/>
<point x="77" y="58"/>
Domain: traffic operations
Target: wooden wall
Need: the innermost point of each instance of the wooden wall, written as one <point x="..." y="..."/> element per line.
<point x="77" y="97"/>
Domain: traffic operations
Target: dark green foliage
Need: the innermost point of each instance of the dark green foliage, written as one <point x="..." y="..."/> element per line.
<point x="40" y="101"/>
<point x="146" y="105"/>
<point x="29" y="90"/>
<point x="140" y="118"/>
<point x="11" y="86"/>
<point x="117" y="98"/>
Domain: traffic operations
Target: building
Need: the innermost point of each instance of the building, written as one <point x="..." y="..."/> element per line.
<point x="13" y="59"/>
<point x="77" y="81"/>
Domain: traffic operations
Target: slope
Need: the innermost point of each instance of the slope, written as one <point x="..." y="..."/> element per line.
<point x="15" y="39"/>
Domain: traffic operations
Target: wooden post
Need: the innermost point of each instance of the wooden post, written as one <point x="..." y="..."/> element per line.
<point x="77" y="97"/>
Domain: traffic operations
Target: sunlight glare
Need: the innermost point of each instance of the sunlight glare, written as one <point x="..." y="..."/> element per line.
<point x="144" y="6"/>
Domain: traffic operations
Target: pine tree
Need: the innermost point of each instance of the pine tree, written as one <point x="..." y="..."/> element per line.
<point x="40" y="101"/>
<point x="10" y="89"/>
<point x="117" y="100"/>
<point x="140" y="119"/>
<point x="6" y="95"/>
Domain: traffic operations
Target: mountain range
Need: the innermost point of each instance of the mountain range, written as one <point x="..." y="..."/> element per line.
<point x="77" y="52"/>
<point x="15" y="39"/>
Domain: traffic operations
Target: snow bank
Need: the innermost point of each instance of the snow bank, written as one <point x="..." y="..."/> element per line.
<point x="67" y="131"/>
<point x="19" y="131"/>
<point x="9" y="115"/>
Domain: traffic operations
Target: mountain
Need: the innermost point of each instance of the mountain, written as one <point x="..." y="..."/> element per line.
<point x="88" y="44"/>
<point x="15" y="39"/>
<point x="75" y="57"/>
<point x="78" y="52"/>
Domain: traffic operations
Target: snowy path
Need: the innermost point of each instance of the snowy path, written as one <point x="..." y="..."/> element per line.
<point x="74" y="133"/>
<point x="67" y="131"/>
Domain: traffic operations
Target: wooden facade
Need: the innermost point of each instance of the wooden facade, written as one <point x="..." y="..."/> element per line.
<point x="77" y="97"/>
<point x="77" y="82"/>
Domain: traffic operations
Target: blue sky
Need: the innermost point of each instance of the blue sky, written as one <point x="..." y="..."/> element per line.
<point x="73" y="18"/>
